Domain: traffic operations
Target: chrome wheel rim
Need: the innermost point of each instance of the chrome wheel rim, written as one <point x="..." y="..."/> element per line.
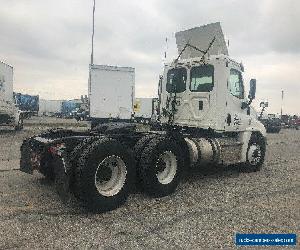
<point x="166" y="166"/>
<point x="254" y="154"/>
<point x="110" y="176"/>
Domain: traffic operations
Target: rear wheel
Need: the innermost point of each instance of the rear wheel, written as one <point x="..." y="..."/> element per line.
<point x="255" y="154"/>
<point x="74" y="157"/>
<point x="138" y="150"/>
<point x="161" y="167"/>
<point x="105" y="175"/>
<point x="140" y="145"/>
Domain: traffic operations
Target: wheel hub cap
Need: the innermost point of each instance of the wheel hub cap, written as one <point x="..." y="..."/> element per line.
<point x="254" y="154"/>
<point x="166" y="167"/>
<point x="110" y="176"/>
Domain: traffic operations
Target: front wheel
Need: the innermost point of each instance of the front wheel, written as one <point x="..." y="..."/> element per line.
<point x="255" y="154"/>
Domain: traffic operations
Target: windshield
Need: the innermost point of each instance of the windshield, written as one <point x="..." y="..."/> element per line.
<point x="176" y="80"/>
<point x="202" y="78"/>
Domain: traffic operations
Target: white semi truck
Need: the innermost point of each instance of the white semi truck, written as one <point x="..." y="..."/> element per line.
<point x="204" y="118"/>
<point x="10" y="115"/>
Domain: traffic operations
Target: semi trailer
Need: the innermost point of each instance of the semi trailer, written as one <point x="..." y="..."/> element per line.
<point x="145" y="109"/>
<point x="111" y="93"/>
<point x="50" y="107"/>
<point x="204" y="118"/>
<point x="10" y="115"/>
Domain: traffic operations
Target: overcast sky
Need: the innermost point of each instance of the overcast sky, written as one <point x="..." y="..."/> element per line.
<point x="48" y="42"/>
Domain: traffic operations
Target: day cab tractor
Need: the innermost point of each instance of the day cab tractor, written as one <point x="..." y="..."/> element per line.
<point x="204" y="118"/>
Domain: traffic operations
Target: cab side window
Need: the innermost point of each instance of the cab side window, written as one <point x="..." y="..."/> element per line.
<point x="202" y="78"/>
<point x="176" y="80"/>
<point x="236" y="85"/>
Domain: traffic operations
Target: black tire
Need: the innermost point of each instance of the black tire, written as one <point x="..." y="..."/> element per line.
<point x="47" y="168"/>
<point x="151" y="162"/>
<point x="138" y="150"/>
<point x="88" y="168"/>
<point x="140" y="145"/>
<point x="74" y="157"/>
<point x="277" y="130"/>
<point x="251" y="165"/>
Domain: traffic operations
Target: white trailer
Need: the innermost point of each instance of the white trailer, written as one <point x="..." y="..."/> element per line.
<point x="49" y="107"/>
<point x="145" y="108"/>
<point x="9" y="114"/>
<point x="111" y="93"/>
<point x="6" y="83"/>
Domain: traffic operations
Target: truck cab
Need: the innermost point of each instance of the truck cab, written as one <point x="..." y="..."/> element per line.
<point x="204" y="87"/>
<point x="208" y="94"/>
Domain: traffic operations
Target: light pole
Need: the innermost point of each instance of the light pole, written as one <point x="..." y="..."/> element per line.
<point x="92" y="55"/>
<point x="93" y="33"/>
<point x="281" y="104"/>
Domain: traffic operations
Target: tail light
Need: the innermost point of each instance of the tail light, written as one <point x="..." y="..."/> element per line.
<point x="57" y="149"/>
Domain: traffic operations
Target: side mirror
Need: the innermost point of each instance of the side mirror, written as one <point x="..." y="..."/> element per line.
<point x="251" y="95"/>
<point x="252" y="90"/>
<point x="264" y="104"/>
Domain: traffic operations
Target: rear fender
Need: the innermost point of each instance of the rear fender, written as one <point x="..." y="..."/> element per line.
<point x="47" y="160"/>
<point x="63" y="174"/>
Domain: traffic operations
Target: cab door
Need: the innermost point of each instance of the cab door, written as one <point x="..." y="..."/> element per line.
<point x="196" y="102"/>
<point x="237" y="118"/>
<point x="201" y="89"/>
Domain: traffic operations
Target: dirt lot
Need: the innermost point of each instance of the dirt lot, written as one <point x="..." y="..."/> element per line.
<point x="205" y="212"/>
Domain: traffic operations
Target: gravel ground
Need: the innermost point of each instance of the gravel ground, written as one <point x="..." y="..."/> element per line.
<point x="206" y="211"/>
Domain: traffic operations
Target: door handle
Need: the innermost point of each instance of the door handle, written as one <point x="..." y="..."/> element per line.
<point x="200" y="105"/>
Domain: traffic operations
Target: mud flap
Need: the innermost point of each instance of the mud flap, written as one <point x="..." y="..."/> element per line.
<point x="61" y="168"/>
<point x="25" y="161"/>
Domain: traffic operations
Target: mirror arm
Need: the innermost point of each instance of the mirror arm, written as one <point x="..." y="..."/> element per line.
<point x="247" y="104"/>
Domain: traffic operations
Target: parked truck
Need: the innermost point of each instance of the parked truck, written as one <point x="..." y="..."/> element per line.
<point x="204" y="118"/>
<point x="295" y="122"/>
<point x="28" y="104"/>
<point x="69" y="108"/>
<point x="10" y="115"/>
<point x="271" y="122"/>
